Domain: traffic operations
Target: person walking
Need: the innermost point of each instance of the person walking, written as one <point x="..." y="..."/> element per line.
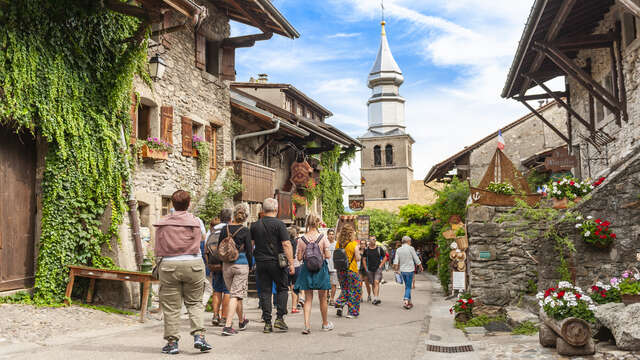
<point x="221" y="297"/>
<point x="313" y="251"/>
<point x="350" y="283"/>
<point x="364" y="279"/>
<point x="293" y="236"/>
<point x="274" y="256"/>
<point x="236" y="273"/>
<point x="181" y="273"/>
<point x="374" y="260"/>
<point x="333" y="273"/>
<point x="405" y="262"/>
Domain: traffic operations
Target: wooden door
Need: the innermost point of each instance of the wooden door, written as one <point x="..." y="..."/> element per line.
<point x="17" y="209"/>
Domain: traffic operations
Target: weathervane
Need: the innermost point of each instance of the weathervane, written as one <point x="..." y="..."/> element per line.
<point x="382" y="6"/>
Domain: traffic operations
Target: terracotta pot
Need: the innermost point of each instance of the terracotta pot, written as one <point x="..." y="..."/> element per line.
<point x="462" y="317"/>
<point x="577" y="199"/>
<point x="630" y="299"/>
<point x="148" y="153"/>
<point x="560" y="203"/>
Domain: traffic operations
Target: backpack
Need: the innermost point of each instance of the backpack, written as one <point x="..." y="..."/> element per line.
<point x="211" y="248"/>
<point x="312" y="257"/>
<point x="227" y="249"/>
<point x="341" y="260"/>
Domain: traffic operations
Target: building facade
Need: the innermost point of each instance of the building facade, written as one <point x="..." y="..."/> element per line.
<point x="386" y="160"/>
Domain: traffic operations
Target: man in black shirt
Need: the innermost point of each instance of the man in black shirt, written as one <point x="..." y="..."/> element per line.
<point x="271" y="239"/>
<point x="373" y="261"/>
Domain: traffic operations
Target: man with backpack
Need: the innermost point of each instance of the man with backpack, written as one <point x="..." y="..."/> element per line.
<point x="274" y="258"/>
<point x="221" y="295"/>
<point x="374" y="260"/>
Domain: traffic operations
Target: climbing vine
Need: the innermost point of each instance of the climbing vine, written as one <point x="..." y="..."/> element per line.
<point x="330" y="183"/>
<point x="66" y="70"/>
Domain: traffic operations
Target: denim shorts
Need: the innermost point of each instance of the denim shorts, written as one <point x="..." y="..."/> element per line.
<point x="218" y="283"/>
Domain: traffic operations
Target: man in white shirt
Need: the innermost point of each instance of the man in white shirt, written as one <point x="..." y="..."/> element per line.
<point x="333" y="274"/>
<point x="405" y="262"/>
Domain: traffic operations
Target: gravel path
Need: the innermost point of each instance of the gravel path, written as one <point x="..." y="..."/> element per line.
<point x="20" y="322"/>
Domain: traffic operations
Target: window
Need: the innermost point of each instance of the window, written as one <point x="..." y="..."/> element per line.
<point x="384" y="194"/>
<point x="144" y="122"/>
<point x="166" y="205"/>
<point x="377" y="156"/>
<point x="197" y="130"/>
<point x="388" y="155"/>
<point x="629" y="28"/>
<point x="300" y="110"/>
<point x="212" y="55"/>
<point x="288" y="104"/>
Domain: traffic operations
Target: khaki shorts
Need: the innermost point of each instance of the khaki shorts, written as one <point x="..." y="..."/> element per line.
<point x="236" y="277"/>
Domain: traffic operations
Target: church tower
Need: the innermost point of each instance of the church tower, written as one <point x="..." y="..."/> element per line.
<point x="386" y="164"/>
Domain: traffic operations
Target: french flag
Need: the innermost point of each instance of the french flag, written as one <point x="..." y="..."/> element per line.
<point x="500" y="140"/>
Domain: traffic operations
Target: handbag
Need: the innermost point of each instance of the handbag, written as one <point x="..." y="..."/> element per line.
<point x="399" y="278"/>
<point x="155" y="273"/>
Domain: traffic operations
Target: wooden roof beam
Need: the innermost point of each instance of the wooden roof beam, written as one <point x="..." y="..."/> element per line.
<point x="545" y="121"/>
<point x="564" y="105"/>
<point x="631" y="6"/>
<point x="256" y="22"/>
<point x="554" y="29"/>
<point x="541" y="96"/>
<point x="245" y="41"/>
<point x="585" y="42"/>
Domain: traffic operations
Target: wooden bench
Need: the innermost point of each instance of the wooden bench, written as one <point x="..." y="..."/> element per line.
<point x="118" y="275"/>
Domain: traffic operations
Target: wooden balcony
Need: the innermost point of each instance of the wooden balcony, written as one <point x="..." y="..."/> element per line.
<point x="257" y="181"/>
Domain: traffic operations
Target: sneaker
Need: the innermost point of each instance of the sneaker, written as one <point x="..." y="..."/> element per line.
<point x="332" y="303"/>
<point x="200" y="343"/>
<point x="368" y="298"/>
<point x="306" y="331"/>
<point x="351" y="316"/>
<point x="222" y="321"/>
<point x="243" y="324"/>
<point x="339" y="312"/>
<point x="280" y="325"/>
<point x="376" y="302"/>
<point x="215" y="321"/>
<point x="228" y="331"/>
<point x="171" y="348"/>
<point x="328" y="327"/>
<point x="295" y="311"/>
<point x="268" y="328"/>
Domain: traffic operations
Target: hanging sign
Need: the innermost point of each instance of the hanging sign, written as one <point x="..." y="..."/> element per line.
<point x="560" y="160"/>
<point x="356" y="202"/>
<point x="363" y="227"/>
<point x="301" y="173"/>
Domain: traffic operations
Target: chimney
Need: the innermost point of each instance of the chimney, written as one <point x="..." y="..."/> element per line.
<point x="263" y="78"/>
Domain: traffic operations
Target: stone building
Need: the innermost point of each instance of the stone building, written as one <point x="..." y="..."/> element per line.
<point x="524" y="138"/>
<point x="386" y="161"/>
<point x="595" y="47"/>
<point x="302" y="134"/>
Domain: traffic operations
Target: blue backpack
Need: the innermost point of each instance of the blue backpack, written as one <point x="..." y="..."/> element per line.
<point x="313" y="258"/>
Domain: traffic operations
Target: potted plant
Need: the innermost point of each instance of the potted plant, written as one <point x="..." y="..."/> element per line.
<point x="503" y="188"/>
<point x="604" y="294"/>
<point x="630" y="287"/>
<point x="196" y="144"/>
<point x="565" y="301"/>
<point x="201" y="150"/>
<point x="596" y="232"/>
<point x="568" y="189"/>
<point x="463" y="308"/>
<point x="154" y="148"/>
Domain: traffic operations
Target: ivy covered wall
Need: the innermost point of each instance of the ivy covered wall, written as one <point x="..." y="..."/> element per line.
<point x="65" y="74"/>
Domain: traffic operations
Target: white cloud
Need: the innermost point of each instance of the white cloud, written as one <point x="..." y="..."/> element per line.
<point x="343" y="35"/>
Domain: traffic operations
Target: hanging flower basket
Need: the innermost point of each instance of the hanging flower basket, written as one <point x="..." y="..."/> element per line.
<point x="148" y="153"/>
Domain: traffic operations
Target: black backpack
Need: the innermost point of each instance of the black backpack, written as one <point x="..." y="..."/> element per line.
<point x="341" y="260"/>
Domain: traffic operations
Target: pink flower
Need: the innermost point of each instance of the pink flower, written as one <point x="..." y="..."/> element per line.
<point x="625" y="274"/>
<point x="614" y="281"/>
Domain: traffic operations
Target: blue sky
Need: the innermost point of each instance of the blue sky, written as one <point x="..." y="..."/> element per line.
<point x="455" y="55"/>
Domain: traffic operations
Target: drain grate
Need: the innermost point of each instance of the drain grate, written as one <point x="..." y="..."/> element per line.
<point x="449" y="349"/>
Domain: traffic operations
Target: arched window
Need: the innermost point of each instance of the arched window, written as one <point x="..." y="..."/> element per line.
<point x="377" y="156"/>
<point x="388" y="155"/>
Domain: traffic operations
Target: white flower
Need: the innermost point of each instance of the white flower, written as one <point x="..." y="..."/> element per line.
<point x="589" y="217"/>
<point x="578" y="226"/>
<point x="540" y="303"/>
<point x="636" y="276"/>
<point x="565" y="284"/>
<point x="579" y="217"/>
<point x="587" y="233"/>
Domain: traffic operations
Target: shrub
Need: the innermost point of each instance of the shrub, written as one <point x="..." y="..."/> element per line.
<point x="382" y="224"/>
<point x="432" y="266"/>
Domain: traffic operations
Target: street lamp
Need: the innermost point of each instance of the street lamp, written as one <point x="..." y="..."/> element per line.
<point x="156" y="67"/>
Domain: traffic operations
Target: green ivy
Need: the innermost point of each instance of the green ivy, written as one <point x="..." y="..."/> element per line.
<point x="330" y="183"/>
<point x="203" y="157"/>
<point x="66" y="71"/>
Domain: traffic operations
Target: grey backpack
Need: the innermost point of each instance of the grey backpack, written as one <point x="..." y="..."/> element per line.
<point x="313" y="258"/>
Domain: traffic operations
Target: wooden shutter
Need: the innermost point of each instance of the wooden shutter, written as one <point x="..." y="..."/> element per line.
<point x="166" y="124"/>
<point x="187" y="137"/>
<point x="201" y="52"/>
<point x="228" y="68"/>
<point x="134" y="118"/>
<point x="209" y="134"/>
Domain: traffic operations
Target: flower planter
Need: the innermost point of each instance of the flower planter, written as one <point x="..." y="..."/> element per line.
<point x="600" y="245"/>
<point x="630" y="299"/>
<point x="148" y="153"/>
<point x="462" y="317"/>
<point x="194" y="152"/>
<point x="560" y="203"/>
<point x="577" y="200"/>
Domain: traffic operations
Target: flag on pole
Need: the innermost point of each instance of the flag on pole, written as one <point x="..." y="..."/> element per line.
<point x="500" y="140"/>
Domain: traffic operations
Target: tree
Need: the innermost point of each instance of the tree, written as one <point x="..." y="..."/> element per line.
<point x="382" y="224"/>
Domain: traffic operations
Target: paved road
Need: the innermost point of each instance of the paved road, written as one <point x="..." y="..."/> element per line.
<point x="382" y="332"/>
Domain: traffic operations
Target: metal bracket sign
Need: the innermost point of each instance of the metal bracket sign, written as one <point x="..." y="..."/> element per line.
<point x="356" y="202"/>
<point x="484" y="255"/>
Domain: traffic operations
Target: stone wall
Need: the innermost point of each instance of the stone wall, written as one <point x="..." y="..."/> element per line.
<point x="501" y="262"/>
<point x="615" y="201"/>
<point x="529" y="137"/>
<point x="419" y="194"/>
<point x="627" y="135"/>
<point x="395" y="180"/>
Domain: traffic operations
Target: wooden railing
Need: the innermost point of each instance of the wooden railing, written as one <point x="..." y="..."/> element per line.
<point x="257" y="180"/>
